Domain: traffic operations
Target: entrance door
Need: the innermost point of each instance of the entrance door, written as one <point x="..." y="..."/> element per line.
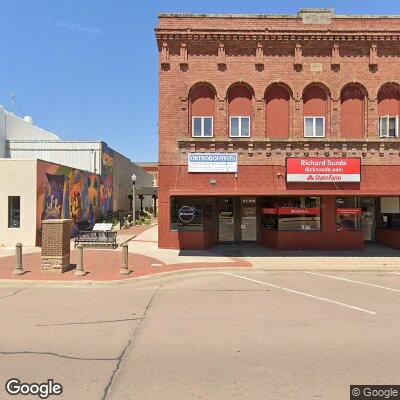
<point x="226" y="220"/>
<point x="248" y="225"/>
<point x="368" y="218"/>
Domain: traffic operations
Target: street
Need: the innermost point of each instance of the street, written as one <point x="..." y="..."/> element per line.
<point x="205" y="335"/>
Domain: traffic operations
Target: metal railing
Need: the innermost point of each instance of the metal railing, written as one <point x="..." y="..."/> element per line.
<point x="97" y="238"/>
<point x="120" y="216"/>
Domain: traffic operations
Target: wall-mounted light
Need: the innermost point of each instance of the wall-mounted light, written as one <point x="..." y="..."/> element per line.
<point x="213" y="181"/>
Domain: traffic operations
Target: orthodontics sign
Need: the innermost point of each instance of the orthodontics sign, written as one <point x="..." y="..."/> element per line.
<point x="323" y="169"/>
<point x="212" y="162"/>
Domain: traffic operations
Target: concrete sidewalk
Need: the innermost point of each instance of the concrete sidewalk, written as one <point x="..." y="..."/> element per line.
<point x="373" y="256"/>
<point x="146" y="259"/>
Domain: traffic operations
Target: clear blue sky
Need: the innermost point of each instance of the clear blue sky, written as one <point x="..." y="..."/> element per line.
<point x="87" y="69"/>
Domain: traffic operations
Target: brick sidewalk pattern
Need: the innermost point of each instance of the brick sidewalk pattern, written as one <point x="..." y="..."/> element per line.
<point x="104" y="265"/>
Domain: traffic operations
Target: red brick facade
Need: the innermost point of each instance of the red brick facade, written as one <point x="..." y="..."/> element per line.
<point x="276" y="70"/>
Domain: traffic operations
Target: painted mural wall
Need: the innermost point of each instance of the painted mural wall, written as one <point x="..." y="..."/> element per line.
<point x="65" y="192"/>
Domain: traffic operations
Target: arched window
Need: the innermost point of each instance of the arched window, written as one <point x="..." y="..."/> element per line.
<point x="202" y="110"/>
<point x="315" y="105"/>
<point x="277" y="112"/>
<point x="389" y="110"/>
<point x="240" y="110"/>
<point x="352" y="99"/>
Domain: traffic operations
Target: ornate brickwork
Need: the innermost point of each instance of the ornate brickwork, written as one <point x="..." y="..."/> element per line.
<point x="351" y="58"/>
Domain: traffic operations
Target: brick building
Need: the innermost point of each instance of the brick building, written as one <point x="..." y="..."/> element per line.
<point x="289" y="126"/>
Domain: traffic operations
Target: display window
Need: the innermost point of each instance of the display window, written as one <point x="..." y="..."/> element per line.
<point x="299" y="214"/>
<point x="348" y="213"/>
<point x="269" y="213"/>
<point x="192" y="213"/>
<point x="390" y="212"/>
<point x="291" y="213"/>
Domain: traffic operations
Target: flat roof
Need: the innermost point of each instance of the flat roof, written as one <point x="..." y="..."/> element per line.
<point x="147" y="163"/>
<point x="277" y="16"/>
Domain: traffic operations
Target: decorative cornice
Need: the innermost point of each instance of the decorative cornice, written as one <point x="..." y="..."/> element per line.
<point x="278" y="36"/>
<point x="370" y="150"/>
<point x="297" y="141"/>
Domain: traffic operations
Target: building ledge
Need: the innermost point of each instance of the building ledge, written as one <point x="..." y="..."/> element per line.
<point x="289" y="140"/>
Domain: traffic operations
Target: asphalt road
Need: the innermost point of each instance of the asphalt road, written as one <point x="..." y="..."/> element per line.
<point x="245" y="335"/>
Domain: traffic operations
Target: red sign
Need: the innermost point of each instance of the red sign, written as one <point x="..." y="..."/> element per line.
<point x="298" y="211"/>
<point x="269" y="211"/>
<point x="323" y="169"/>
<point x="350" y="211"/>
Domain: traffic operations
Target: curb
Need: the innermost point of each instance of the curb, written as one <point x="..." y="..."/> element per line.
<point x="194" y="271"/>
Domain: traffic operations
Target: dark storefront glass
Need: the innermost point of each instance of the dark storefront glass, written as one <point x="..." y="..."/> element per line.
<point x="348" y="213"/>
<point x="269" y="213"/>
<point x="299" y="214"/>
<point x="390" y="216"/>
<point x="192" y="213"/>
<point x="208" y="213"/>
<point x="291" y="213"/>
<point x="390" y="221"/>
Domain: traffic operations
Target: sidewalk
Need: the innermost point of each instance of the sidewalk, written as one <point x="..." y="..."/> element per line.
<point x="135" y="230"/>
<point x="145" y="258"/>
<point x="103" y="265"/>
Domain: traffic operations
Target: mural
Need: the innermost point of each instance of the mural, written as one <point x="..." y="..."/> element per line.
<point x="107" y="163"/>
<point x="65" y="192"/>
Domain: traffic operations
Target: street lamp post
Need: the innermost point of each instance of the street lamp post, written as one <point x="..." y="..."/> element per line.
<point x="133" y="199"/>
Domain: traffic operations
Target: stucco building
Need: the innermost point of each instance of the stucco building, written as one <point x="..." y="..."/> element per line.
<point x="44" y="177"/>
<point x="279" y="129"/>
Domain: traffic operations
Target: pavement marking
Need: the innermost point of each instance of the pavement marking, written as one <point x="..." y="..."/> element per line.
<point x="302" y="293"/>
<point x="353" y="281"/>
<point x="396" y="273"/>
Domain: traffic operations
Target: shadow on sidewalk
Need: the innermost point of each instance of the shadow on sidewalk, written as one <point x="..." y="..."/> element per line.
<point x="254" y="250"/>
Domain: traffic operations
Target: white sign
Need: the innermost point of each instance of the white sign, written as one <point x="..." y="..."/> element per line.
<point x="186" y="214"/>
<point x="102" y="227"/>
<point x="212" y="162"/>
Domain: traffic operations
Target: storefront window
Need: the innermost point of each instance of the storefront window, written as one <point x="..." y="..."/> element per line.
<point x="291" y="213"/>
<point x="299" y="214"/>
<point x="208" y="213"/>
<point x="348" y="213"/>
<point x="269" y="213"/>
<point x="390" y="221"/>
<point x="390" y="212"/>
<point x="192" y="213"/>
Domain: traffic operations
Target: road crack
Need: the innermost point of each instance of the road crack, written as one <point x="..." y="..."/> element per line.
<point x="12" y="294"/>
<point x="46" y="353"/>
<point x="91" y="322"/>
<point x="124" y="350"/>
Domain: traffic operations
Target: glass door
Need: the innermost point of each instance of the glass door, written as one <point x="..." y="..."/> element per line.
<point x="248" y="210"/>
<point x="226" y="220"/>
<point x="368" y="218"/>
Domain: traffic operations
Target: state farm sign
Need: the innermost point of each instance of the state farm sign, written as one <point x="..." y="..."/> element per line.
<point x="323" y="170"/>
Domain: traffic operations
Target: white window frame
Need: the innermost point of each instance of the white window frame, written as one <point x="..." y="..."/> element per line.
<point x="240" y="126"/>
<point x="314" y="118"/>
<point x="202" y="126"/>
<point x="386" y="134"/>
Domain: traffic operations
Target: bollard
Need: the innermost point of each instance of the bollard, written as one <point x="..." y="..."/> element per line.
<point x="79" y="266"/>
<point x="126" y="223"/>
<point x="124" y="269"/>
<point x="18" y="270"/>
